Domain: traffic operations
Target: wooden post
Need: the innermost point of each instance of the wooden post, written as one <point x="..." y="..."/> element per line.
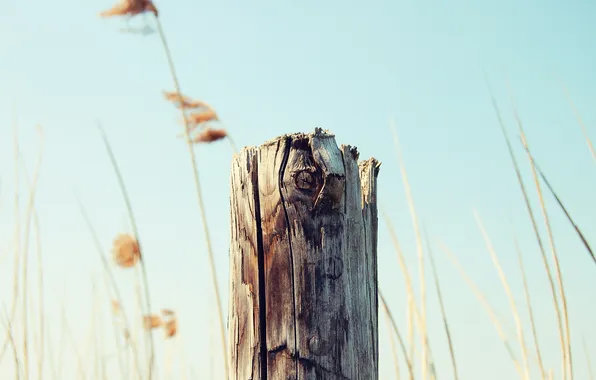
<point x="303" y="254"/>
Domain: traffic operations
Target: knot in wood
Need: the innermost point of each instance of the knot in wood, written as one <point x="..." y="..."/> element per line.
<point x="314" y="345"/>
<point x="306" y="180"/>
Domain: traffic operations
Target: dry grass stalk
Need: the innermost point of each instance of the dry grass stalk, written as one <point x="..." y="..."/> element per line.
<point x="590" y="373"/>
<point x="68" y="333"/>
<point x="127" y="201"/>
<point x="395" y="357"/>
<point x="555" y="257"/>
<point x="199" y="193"/>
<point x="443" y="312"/>
<point x="530" y="310"/>
<point x="565" y="211"/>
<point x="422" y="279"/>
<point x="484" y="302"/>
<point x="125" y="251"/>
<point x="17" y="233"/>
<point x="8" y="327"/>
<point x="25" y="253"/>
<point x="130" y="8"/>
<point x="111" y="284"/>
<point x="41" y="337"/>
<point x="412" y="307"/>
<point x="507" y="288"/>
<point x="398" y="334"/>
<point x="151" y="322"/>
<point x="545" y="263"/>
<point x="580" y="121"/>
<point x="52" y="362"/>
<point x="411" y="326"/>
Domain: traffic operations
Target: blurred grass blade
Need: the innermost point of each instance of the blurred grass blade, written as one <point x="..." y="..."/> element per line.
<point x="443" y="312"/>
<point x="580" y="121"/>
<point x="569" y="218"/>
<point x="554" y="254"/>
<point x="545" y="263"/>
<point x="133" y="222"/>
<point x="489" y="309"/>
<point x="509" y="294"/>
<point x="419" y="248"/>
<point x="530" y="310"/>
<point x="398" y="335"/>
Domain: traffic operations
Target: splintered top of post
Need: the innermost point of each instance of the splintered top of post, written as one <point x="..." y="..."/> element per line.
<point x="318" y="133"/>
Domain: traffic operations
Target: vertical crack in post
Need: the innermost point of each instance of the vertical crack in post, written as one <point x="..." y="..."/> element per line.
<point x="283" y="203"/>
<point x="261" y="276"/>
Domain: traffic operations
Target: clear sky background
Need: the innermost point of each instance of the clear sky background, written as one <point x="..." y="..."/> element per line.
<point x="270" y="68"/>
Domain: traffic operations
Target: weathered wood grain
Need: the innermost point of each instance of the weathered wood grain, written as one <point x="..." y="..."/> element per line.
<point x="303" y="294"/>
<point x="244" y="325"/>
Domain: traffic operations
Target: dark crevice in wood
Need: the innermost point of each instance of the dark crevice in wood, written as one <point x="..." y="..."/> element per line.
<point x="288" y="224"/>
<point x="277" y="349"/>
<point x="261" y="276"/>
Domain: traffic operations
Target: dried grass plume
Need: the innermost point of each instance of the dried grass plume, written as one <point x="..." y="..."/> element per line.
<point x="183" y="101"/>
<point x="130" y="8"/>
<point x="125" y="251"/>
<point x="151" y="322"/>
<point x="171" y="327"/>
<point x="210" y="135"/>
<point x="202" y="115"/>
<point x="116" y="309"/>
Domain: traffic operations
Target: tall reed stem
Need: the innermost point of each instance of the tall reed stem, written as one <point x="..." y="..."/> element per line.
<point x="199" y="194"/>
<point x="135" y="232"/>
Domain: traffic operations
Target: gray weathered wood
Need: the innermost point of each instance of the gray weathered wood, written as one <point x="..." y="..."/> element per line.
<point x="303" y="261"/>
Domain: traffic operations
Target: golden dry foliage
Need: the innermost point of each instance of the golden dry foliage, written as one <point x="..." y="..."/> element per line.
<point x="125" y="251"/>
<point x="203" y="114"/>
<point x="116" y="307"/>
<point x="184" y="101"/>
<point x="209" y="135"/>
<point x="171" y="327"/>
<point x="197" y="118"/>
<point x="151" y="322"/>
<point x="130" y="8"/>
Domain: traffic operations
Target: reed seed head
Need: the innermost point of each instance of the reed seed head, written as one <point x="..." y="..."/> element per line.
<point x="171" y="327"/>
<point x="130" y="8"/>
<point x="125" y="251"/>
<point x="116" y="309"/>
<point x="209" y="135"/>
<point x="151" y="322"/>
<point x="197" y="118"/>
<point x="182" y="101"/>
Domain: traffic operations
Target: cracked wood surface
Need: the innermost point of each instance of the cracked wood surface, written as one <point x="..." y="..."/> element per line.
<point x="303" y="261"/>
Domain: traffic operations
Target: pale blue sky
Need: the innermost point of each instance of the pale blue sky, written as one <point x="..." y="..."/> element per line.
<point x="277" y="67"/>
